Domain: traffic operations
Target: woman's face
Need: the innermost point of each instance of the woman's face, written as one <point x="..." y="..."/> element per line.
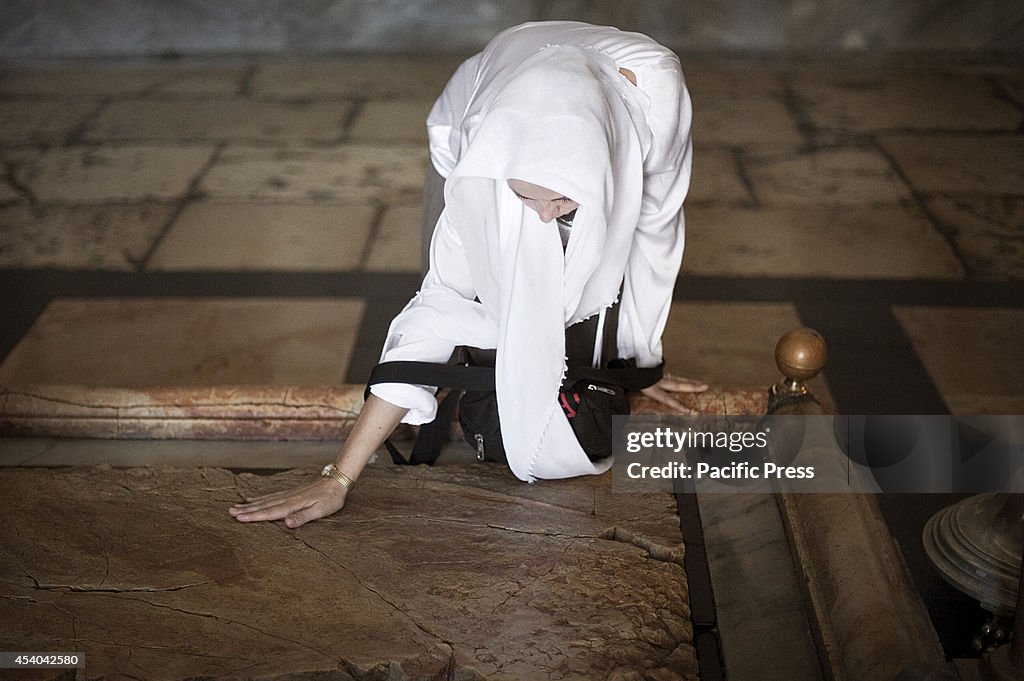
<point x="548" y="204"/>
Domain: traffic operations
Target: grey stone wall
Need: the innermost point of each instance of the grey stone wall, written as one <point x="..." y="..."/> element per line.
<point x="72" y="28"/>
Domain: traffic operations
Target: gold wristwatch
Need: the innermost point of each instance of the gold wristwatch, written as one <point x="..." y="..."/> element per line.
<point x="331" y="471"/>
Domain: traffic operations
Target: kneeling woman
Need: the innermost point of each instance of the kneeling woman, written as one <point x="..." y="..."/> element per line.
<point x="566" y="152"/>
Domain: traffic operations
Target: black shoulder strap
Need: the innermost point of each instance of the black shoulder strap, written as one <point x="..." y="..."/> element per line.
<point x="434" y="434"/>
<point x="610" y="337"/>
<point x="460" y="378"/>
<point x="430" y="373"/>
<point x="481" y="379"/>
<point x="629" y="376"/>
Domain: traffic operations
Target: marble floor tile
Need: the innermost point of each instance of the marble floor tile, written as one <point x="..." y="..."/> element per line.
<point x="67" y="79"/>
<point x="251" y="236"/>
<point x="17" y="451"/>
<point x="1013" y="84"/>
<point x="716" y="178"/>
<point x="233" y="119"/>
<point x="210" y="81"/>
<point x="132" y="453"/>
<point x="349" y="174"/>
<point x="396" y="247"/>
<point x="975" y="356"/>
<point x="395" y="120"/>
<point x="729" y="81"/>
<point x="731" y="344"/>
<point x="826" y="177"/>
<point x="757" y="593"/>
<point x="8" y="195"/>
<point x="106" y="237"/>
<point x="113" y="173"/>
<point x="358" y="76"/>
<point x="961" y="163"/>
<point x="21" y="155"/>
<point x="904" y="101"/>
<point x="989" y="232"/>
<point x="891" y="242"/>
<point x="985" y="403"/>
<point x="752" y="119"/>
<point x="181" y="341"/>
<point x="42" y="121"/>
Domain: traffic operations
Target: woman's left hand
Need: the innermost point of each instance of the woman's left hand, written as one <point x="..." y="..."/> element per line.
<point x="661" y="392"/>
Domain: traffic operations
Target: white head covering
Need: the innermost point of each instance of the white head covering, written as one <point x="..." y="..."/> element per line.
<point x="565" y="120"/>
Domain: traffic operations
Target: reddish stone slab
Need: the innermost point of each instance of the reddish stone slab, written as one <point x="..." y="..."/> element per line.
<point x="256" y="412"/>
<point x="457" y="572"/>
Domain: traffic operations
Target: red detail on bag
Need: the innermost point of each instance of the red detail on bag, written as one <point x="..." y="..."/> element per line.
<point x="569" y="411"/>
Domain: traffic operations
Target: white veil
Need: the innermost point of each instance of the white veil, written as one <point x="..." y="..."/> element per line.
<point x="567" y="121"/>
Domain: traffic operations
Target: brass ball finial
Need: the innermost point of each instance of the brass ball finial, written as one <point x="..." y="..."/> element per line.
<point x="800" y="354"/>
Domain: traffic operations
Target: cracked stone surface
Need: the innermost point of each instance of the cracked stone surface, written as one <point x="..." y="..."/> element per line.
<point x="7" y="193"/>
<point x="718" y="181"/>
<point x="988" y="230"/>
<point x="457" y="572"/>
<point x="105" y="237"/>
<point x="77" y="79"/>
<point x="867" y="101"/>
<point x="844" y="177"/>
<point x="396" y="120"/>
<point x="396" y="247"/>
<point x="180" y="341"/>
<point x="969" y="387"/>
<point x="356" y="76"/>
<point x="896" y="242"/>
<point x="961" y="164"/>
<point x="220" y="119"/>
<point x="211" y="235"/>
<point x="752" y="119"/>
<point x="41" y="122"/>
<point x="354" y="173"/>
<point x="113" y="173"/>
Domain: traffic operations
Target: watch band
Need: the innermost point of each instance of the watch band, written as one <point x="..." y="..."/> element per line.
<point x="331" y="471"/>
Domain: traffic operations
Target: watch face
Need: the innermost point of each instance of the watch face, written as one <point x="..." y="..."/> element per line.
<point x="326" y="471"/>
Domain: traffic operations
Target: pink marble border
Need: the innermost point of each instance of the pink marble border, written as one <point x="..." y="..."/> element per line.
<point x="253" y="412"/>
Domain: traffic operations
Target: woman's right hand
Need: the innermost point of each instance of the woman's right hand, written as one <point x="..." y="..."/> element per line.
<point x="297" y="506"/>
<point x="326" y="496"/>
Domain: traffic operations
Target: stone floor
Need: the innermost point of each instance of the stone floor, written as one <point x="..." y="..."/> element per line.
<point x="255" y="221"/>
<point x="188" y="222"/>
<point x="470" y="582"/>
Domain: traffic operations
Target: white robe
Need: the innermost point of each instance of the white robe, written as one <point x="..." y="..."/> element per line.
<point x="545" y="103"/>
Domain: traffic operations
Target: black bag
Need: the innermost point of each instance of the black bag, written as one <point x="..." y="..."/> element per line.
<point x="590" y="405"/>
<point x="589" y="396"/>
<point x="478" y="410"/>
<point x="481" y="426"/>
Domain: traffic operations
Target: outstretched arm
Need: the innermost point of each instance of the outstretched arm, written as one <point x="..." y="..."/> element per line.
<point x="319" y="499"/>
